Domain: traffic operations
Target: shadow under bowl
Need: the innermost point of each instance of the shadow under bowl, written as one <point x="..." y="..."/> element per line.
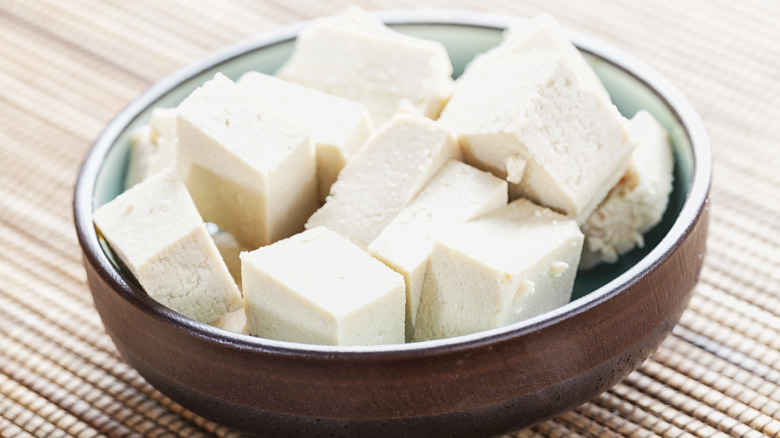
<point x="476" y="385"/>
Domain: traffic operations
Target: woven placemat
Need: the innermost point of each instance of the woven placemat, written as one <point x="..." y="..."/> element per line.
<point x="67" y="67"/>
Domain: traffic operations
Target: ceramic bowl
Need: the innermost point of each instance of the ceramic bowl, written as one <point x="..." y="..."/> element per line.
<point x="477" y="385"/>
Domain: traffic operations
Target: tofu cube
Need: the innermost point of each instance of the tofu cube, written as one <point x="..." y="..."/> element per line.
<point x="506" y="266"/>
<point x="152" y="146"/>
<point x="157" y="233"/>
<point x="249" y="170"/>
<point x="529" y="118"/>
<point x="384" y="176"/>
<point x="542" y="33"/>
<point x="339" y="127"/>
<point x="230" y="249"/>
<point x="355" y="56"/>
<point x="639" y="200"/>
<point x="233" y="322"/>
<point x="456" y="194"/>
<point x="318" y="288"/>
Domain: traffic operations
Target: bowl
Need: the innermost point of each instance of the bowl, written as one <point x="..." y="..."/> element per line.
<point x="476" y="385"/>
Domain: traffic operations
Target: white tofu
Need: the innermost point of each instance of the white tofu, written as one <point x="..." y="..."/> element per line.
<point x="152" y="146"/>
<point x="318" y="288"/>
<point x="639" y="200"/>
<point x="542" y="33"/>
<point x="230" y="249"/>
<point x="157" y="233"/>
<point x="456" y="194"/>
<point x="233" y="322"/>
<point x="508" y="265"/>
<point x="530" y="119"/>
<point x="384" y="176"/>
<point x="355" y="56"/>
<point x="356" y="18"/>
<point x="249" y="170"/>
<point x="339" y="127"/>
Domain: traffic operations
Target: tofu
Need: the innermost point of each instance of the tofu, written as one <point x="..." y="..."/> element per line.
<point x="157" y="233"/>
<point x="152" y="146"/>
<point x="506" y="266"/>
<point x="356" y="57"/>
<point x="233" y="322"/>
<point x="639" y="200"/>
<point x="542" y="33"/>
<point x="318" y="288"/>
<point x="384" y="176"/>
<point x="230" y="249"/>
<point x="456" y="194"/>
<point x="356" y="18"/>
<point x="249" y="170"/>
<point x="530" y="119"/>
<point x="339" y="127"/>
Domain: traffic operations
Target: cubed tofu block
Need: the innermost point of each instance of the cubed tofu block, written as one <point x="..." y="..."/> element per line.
<point x="339" y="127"/>
<point x="355" y="56"/>
<point x="318" y="288"/>
<point x="233" y="322"/>
<point x="152" y="146"/>
<point x="530" y="119"/>
<point x="457" y="193"/>
<point x="249" y="170"/>
<point x="508" y="265"/>
<point x="542" y="33"/>
<point x="230" y="249"/>
<point x="157" y="233"/>
<point x="384" y="176"/>
<point x="639" y="200"/>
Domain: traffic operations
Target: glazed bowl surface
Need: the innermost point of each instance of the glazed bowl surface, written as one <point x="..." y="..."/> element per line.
<point x="476" y="385"/>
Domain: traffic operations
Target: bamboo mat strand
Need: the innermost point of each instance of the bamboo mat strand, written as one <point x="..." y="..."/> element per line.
<point x="67" y="67"/>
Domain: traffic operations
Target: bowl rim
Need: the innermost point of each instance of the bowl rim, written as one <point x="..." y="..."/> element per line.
<point x="674" y="100"/>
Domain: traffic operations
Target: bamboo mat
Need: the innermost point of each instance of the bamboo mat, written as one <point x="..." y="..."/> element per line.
<point x="67" y="67"/>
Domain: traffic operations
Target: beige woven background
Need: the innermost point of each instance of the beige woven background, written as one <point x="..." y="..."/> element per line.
<point x="67" y="67"/>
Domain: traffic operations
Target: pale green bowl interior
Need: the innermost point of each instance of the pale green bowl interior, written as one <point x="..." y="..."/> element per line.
<point x="462" y="42"/>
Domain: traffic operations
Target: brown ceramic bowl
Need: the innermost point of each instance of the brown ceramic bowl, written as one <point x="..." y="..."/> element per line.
<point x="477" y="385"/>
